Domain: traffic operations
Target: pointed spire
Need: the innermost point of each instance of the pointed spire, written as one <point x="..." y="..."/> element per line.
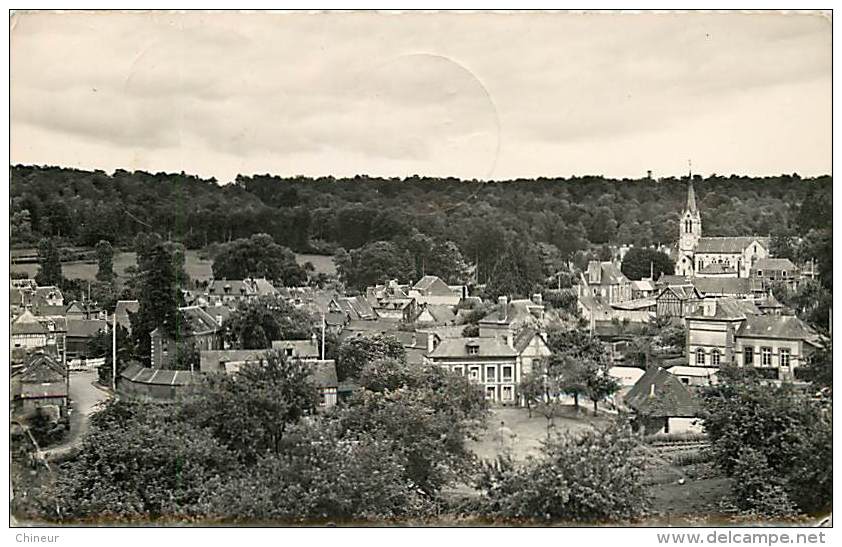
<point x="691" y="198"/>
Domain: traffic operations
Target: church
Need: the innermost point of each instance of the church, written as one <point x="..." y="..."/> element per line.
<point x="699" y="256"/>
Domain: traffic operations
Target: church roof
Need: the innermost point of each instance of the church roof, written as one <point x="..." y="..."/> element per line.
<point x="729" y="245"/>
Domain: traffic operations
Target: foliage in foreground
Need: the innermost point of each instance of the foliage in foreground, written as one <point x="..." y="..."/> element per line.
<point x="595" y="476"/>
<point x="774" y="441"/>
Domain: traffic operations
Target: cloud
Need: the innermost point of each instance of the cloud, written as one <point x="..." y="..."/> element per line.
<point x="472" y="95"/>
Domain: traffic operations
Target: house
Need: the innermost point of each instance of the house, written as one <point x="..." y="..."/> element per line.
<point x="28" y="332"/>
<point x="663" y="405"/>
<point x="639" y="310"/>
<point x="489" y="362"/>
<point x="353" y="308"/>
<point x="769" y="305"/>
<point x="322" y="371"/>
<point x="122" y="311"/>
<point x="138" y="382"/>
<point x="197" y="328"/>
<point x="306" y="350"/>
<point x="532" y="349"/>
<point x="80" y="333"/>
<point x="40" y="385"/>
<point x="645" y="288"/>
<point x="772" y="270"/>
<point x="509" y="317"/>
<point x="776" y="345"/>
<point x="234" y="291"/>
<point x="435" y="314"/>
<point x="677" y="301"/>
<point x="47" y="296"/>
<point x="430" y="289"/>
<point x="83" y="310"/>
<point x="417" y="344"/>
<point x="396" y="308"/>
<point x="605" y="282"/>
<point x="732" y="256"/>
<point x="711" y="332"/>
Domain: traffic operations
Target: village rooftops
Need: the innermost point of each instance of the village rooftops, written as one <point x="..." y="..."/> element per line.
<point x="303" y="349"/>
<point x="716" y="268"/>
<point x="660" y="394"/>
<point x="85" y="328"/>
<point x="731" y="286"/>
<point x="27" y="323"/>
<point x="774" y="265"/>
<point x="604" y="273"/>
<point x="728" y="245"/>
<point x="156" y="376"/>
<point x="509" y="312"/>
<point x="786" y="327"/>
<point x="458" y="348"/>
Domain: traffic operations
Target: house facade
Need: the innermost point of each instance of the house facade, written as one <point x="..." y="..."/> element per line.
<point x="712" y="333"/>
<point x="40" y="385"/>
<point x="773" y="270"/>
<point x="487" y="361"/>
<point x="198" y="328"/>
<point x="605" y="282"/>
<point x="775" y="345"/>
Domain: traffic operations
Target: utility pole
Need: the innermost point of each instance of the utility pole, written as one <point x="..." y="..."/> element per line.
<point x="114" y="353"/>
<point x="323" y="336"/>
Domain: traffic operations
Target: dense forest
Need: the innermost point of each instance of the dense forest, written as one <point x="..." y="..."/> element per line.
<point x="426" y="220"/>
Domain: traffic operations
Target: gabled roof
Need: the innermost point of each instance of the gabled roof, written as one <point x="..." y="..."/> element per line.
<point x="85" y="328"/>
<point x="609" y="273"/>
<point x="196" y="321"/>
<point x="301" y="348"/>
<point x="393" y="303"/>
<point x="660" y="394"/>
<point x="156" y="376"/>
<point x="769" y="302"/>
<point x="729" y="245"/>
<point x="354" y="307"/>
<point x="231" y="287"/>
<point x="670" y="280"/>
<point x="27" y="323"/>
<point x="41" y="367"/>
<point x="323" y="373"/>
<point x="774" y="264"/>
<point x="441" y="314"/>
<point x="785" y="327"/>
<point x="643" y="285"/>
<point x="515" y="310"/>
<point x="525" y="337"/>
<point x="458" y="347"/>
<point x="431" y="285"/>
<point x="682" y="292"/>
<point x="636" y="304"/>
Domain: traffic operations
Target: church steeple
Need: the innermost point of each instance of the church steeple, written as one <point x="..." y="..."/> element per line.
<point x="691" y="199"/>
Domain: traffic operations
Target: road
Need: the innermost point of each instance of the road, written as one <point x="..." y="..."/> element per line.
<point x="84" y="399"/>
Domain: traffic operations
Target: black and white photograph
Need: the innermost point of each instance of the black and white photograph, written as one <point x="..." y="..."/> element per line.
<point x="421" y="269"/>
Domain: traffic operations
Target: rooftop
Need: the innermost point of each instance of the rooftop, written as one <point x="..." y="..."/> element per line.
<point x="660" y="394"/>
<point x="485" y="347"/>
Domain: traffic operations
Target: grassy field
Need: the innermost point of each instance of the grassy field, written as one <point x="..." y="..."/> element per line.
<point x="197" y="267"/>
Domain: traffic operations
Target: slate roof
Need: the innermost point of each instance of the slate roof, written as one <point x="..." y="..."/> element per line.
<point x="449" y="331"/>
<point x="27" y="323"/>
<point x="156" y="376"/>
<point x="41" y="367"/>
<point x="214" y="360"/>
<point x="774" y="264"/>
<point x="457" y="348"/>
<point x="682" y="292"/>
<point x="85" y="328"/>
<point x="786" y="327"/>
<point x="643" y="285"/>
<point x="441" y="313"/>
<point x="670" y="280"/>
<point x="525" y="337"/>
<point x="392" y="303"/>
<point x="637" y="304"/>
<point x="610" y="274"/>
<point x="324" y="373"/>
<point x="729" y="309"/>
<point x="660" y="394"/>
<point x="514" y="311"/>
<point x="301" y="348"/>
<point x="355" y="307"/>
<point x="230" y="287"/>
<point x="728" y="245"/>
<point x="769" y="302"/>
<point x="431" y="285"/>
<point x="197" y="321"/>
<point x="729" y="286"/>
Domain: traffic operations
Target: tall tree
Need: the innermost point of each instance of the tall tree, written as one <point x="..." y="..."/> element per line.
<point x="159" y="298"/>
<point x="105" y="262"/>
<point x="258" y="256"/>
<point x="638" y="263"/>
<point x="256" y="323"/>
<point x="50" y="272"/>
<point x="356" y="353"/>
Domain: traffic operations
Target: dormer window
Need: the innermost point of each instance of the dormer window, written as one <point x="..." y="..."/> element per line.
<point x="472" y="348"/>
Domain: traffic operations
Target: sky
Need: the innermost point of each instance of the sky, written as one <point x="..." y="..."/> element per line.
<point x="468" y="95"/>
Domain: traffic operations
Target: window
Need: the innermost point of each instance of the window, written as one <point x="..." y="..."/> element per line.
<point x="473" y="350"/>
<point x="784" y="354"/>
<point x="508" y="393"/>
<point x="490" y="393"/>
<point x="474" y="373"/>
<point x="766" y="357"/>
<point x="748" y="356"/>
<point x="460" y="370"/>
<point x="507" y="374"/>
<point x="490" y="373"/>
<point x="759" y="273"/>
<point x="714" y="357"/>
<point x="685" y="381"/>
<point x="700" y="356"/>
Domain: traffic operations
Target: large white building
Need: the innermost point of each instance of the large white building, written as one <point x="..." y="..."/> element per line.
<point x="699" y="256"/>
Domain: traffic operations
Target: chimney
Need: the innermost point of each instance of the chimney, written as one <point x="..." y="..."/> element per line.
<point x="431" y="342"/>
<point x="314" y="340"/>
<point x="538" y="299"/>
<point x="503" y="301"/>
<point x="652" y="390"/>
